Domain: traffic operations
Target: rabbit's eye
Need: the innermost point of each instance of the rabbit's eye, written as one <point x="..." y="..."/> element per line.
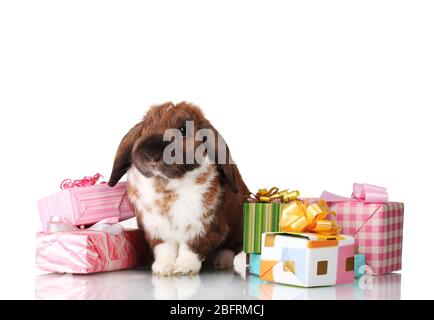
<point x="183" y="131"/>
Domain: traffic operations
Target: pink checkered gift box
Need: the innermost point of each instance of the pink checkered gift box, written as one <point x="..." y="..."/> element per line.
<point x="375" y="223"/>
<point x="83" y="202"/>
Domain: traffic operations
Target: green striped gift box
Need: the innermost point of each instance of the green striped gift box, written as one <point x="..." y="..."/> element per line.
<point x="260" y="218"/>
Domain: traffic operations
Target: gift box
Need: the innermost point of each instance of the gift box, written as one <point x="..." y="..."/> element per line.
<point x="359" y="265"/>
<point x="86" y="203"/>
<point x="375" y="223"/>
<point x="273" y="210"/>
<point x="260" y="218"/>
<point x="90" y="251"/>
<point x="306" y="259"/>
<point x="254" y="263"/>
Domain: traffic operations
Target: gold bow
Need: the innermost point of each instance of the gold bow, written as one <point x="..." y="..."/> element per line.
<point x="274" y="195"/>
<point x="298" y="216"/>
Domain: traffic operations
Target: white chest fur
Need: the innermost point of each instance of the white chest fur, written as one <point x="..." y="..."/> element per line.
<point x="184" y="219"/>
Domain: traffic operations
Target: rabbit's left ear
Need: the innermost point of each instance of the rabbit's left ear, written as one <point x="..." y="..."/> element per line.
<point x="225" y="165"/>
<point x="122" y="160"/>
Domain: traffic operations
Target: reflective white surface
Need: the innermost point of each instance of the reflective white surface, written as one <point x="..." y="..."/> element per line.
<point x="387" y="287"/>
<point x="140" y="284"/>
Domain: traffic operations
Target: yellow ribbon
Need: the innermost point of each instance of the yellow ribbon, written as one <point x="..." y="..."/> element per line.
<point x="298" y="216"/>
<point x="285" y="196"/>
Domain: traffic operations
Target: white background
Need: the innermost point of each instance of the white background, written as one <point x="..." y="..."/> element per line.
<point x="310" y="94"/>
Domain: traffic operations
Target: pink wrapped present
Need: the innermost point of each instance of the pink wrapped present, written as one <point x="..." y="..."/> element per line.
<point x="103" y="247"/>
<point x="83" y="202"/>
<point x="374" y="222"/>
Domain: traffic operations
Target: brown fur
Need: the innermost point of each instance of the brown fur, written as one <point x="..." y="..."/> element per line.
<point x="167" y="198"/>
<point x="203" y="178"/>
<point x="210" y="197"/>
<point x="226" y="229"/>
<point x="133" y="193"/>
<point x="223" y="199"/>
<point x="160" y="185"/>
<point x="152" y="242"/>
<point x="165" y="202"/>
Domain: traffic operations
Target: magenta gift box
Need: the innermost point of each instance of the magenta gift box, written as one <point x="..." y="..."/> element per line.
<point x="87" y="205"/>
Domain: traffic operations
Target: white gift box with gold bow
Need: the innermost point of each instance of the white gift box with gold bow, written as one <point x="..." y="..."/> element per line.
<point x="307" y="259"/>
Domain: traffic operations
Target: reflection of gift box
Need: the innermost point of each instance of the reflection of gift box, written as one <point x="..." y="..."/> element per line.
<point x="263" y="290"/>
<point x="90" y="251"/>
<point x="307" y="260"/>
<point x="103" y="286"/>
<point x="254" y="286"/>
<point x="384" y="287"/>
<point x="87" y="205"/>
<point x="375" y="224"/>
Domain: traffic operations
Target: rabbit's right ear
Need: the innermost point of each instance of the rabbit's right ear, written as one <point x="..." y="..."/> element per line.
<point x="122" y="160"/>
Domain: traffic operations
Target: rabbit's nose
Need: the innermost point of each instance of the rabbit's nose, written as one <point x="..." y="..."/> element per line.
<point x="153" y="165"/>
<point x="154" y="156"/>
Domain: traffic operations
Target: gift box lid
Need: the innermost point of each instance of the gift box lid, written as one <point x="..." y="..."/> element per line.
<point x="308" y="240"/>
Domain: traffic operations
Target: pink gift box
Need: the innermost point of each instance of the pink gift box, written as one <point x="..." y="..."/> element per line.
<point x="91" y="251"/>
<point x="87" y="205"/>
<point x="377" y="227"/>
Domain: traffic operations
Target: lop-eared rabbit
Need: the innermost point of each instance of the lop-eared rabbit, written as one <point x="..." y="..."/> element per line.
<point x="190" y="211"/>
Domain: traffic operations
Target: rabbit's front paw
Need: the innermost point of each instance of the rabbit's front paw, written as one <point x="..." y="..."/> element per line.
<point x="187" y="262"/>
<point x="162" y="267"/>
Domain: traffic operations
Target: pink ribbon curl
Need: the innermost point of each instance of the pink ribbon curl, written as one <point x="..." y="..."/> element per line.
<point x="85" y="182"/>
<point x="361" y="193"/>
<point x="369" y="193"/>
